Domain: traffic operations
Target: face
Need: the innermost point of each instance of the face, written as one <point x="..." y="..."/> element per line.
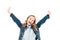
<point x="30" y="20"/>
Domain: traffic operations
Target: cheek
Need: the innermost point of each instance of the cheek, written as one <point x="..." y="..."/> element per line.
<point x="32" y="21"/>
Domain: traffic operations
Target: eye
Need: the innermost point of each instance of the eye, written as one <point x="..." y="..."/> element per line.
<point x="30" y="18"/>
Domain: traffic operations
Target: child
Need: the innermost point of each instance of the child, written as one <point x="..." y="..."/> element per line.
<point x="29" y="30"/>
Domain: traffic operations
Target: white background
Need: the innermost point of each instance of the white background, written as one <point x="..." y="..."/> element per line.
<point x="50" y="30"/>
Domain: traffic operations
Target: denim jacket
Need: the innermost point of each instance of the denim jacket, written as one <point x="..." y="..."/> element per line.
<point x="22" y="29"/>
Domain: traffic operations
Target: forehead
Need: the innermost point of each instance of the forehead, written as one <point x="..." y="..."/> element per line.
<point x="32" y="17"/>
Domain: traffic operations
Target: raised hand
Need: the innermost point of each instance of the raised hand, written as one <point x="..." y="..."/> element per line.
<point x="8" y="10"/>
<point x="49" y="12"/>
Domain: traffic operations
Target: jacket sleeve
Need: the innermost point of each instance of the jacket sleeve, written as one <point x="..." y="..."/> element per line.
<point x="42" y="20"/>
<point x="16" y="20"/>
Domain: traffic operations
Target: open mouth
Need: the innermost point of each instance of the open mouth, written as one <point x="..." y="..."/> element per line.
<point x="30" y="22"/>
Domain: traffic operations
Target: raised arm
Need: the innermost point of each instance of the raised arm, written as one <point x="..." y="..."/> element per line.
<point x="15" y="19"/>
<point x="43" y="20"/>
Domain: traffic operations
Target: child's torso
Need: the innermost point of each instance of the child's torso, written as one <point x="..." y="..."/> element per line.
<point x="29" y="34"/>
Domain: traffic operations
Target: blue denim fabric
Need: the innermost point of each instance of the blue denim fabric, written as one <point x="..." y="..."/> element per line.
<point x="17" y="21"/>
